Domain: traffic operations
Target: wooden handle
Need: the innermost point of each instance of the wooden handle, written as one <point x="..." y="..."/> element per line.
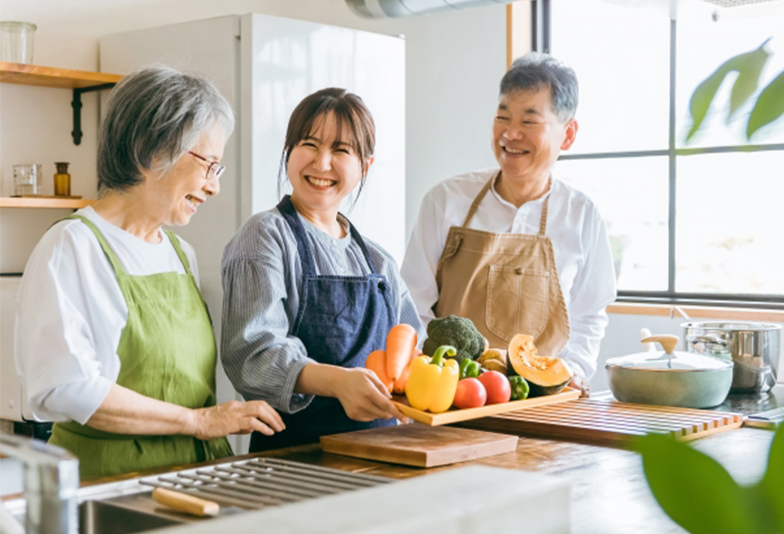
<point x="667" y="341"/>
<point x="185" y="503"/>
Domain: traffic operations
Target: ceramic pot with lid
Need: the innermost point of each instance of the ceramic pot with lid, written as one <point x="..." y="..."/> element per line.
<point x="670" y="377"/>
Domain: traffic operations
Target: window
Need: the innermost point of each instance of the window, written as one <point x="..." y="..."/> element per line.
<point x="697" y="222"/>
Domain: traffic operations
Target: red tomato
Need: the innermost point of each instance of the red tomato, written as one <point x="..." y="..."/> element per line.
<point x="497" y="386"/>
<point x="470" y="394"/>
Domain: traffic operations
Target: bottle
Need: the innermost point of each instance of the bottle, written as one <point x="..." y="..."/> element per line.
<point x="62" y="180"/>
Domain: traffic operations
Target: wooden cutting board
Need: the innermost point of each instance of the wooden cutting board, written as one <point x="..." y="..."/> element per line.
<point x="419" y="445"/>
<point x="609" y="422"/>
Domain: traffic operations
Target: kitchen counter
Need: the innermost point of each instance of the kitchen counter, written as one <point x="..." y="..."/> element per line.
<point x="609" y="491"/>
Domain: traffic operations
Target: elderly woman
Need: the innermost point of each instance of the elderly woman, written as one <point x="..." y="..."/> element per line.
<point x="113" y="339"/>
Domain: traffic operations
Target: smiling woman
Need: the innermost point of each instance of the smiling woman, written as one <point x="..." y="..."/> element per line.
<point x="113" y="339"/>
<point x="306" y="297"/>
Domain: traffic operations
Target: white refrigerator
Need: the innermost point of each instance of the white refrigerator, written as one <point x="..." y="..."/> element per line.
<point x="264" y="66"/>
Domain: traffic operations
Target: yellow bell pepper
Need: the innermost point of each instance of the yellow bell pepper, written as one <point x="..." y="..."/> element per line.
<point x="433" y="381"/>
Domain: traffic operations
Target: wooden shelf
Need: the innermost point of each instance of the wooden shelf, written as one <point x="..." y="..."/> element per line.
<point x="57" y="203"/>
<point x="22" y="74"/>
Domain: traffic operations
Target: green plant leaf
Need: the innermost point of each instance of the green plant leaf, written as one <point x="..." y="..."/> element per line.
<point x="703" y="96"/>
<point x="749" y="67"/>
<point x="693" y="489"/>
<point x="772" y="483"/>
<point x="769" y="106"/>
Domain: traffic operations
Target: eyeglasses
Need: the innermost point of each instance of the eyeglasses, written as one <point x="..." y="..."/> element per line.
<point x="214" y="168"/>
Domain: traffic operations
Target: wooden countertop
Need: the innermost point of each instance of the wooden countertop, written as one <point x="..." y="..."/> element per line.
<point x="609" y="491"/>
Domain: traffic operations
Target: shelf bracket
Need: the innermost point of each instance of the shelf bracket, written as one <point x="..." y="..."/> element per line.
<point x="76" y="104"/>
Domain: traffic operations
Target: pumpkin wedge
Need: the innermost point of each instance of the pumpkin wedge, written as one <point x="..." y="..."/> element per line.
<point x="545" y="375"/>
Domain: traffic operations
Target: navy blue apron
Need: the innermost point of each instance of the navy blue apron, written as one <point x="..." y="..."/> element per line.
<point x="341" y="319"/>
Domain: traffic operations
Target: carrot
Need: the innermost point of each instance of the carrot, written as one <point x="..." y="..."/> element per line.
<point x="400" y="384"/>
<point x="401" y="340"/>
<point x="376" y="362"/>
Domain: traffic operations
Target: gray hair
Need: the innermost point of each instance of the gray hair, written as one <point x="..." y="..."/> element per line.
<point x="534" y="71"/>
<point x="154" y="115"/>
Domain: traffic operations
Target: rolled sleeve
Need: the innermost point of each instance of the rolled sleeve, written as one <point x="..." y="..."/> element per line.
<point x="260" y="358"/>
<point x="593" y="290"/>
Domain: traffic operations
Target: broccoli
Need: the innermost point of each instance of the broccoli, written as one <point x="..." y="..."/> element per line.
<point x="456" y="331"/>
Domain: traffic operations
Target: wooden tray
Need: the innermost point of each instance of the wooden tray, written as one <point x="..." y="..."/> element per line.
<point x="419" y="445"/>
<point x="609" y="422"/>
<point x="454" y="415"/>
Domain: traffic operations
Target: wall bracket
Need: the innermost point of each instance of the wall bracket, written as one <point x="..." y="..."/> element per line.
<point x="76" y="104"/>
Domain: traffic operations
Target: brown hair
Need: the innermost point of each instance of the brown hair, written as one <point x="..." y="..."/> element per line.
<point x="350" y="112"/>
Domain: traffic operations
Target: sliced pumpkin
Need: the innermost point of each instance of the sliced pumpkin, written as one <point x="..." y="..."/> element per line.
<point x="545" y="375"/>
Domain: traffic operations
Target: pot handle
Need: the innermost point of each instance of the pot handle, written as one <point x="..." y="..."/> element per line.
<point x="667" y="341"/>
<point x="716" y="339"/>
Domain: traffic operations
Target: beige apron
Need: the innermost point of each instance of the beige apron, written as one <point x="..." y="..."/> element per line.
<point x="506" y="284"/>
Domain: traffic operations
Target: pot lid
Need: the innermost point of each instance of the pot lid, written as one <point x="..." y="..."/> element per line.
<point x="669" y="359"/>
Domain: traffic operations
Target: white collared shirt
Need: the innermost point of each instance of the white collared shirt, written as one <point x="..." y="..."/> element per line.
<point x="582" y="250"/>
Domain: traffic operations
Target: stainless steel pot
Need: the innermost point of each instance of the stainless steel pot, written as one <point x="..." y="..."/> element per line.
<point x="670" y="377"/>
<point x="754" y="347"/>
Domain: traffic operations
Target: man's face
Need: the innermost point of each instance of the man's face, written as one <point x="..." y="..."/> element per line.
<point x="528" y="135"/>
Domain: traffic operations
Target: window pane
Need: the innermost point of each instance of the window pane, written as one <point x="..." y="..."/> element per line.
<point x="621" y="57"/>
<point x="730" y="223"/>
<point x="703" y="45"/>
<point x="632" y="195"/>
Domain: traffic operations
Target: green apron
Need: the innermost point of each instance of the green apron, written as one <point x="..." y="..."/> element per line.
<point x="167" y="352"/>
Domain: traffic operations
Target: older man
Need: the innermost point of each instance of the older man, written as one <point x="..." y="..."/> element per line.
<point x="515" y="249"/>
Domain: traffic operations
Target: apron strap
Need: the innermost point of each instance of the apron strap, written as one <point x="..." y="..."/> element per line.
<point x="479" y="198"/>
<point x="289" y="213"/>
<point x="107" y="249"/>
<point x="178" y="249"/>
<point x="286" y="208"/>
<point x="543" y="219"/>
<point x="486" y="188"/>
<point x="361" y="243"/>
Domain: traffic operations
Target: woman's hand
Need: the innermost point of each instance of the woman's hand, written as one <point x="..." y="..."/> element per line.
<point x="235" y="417"/>
<point x="365" y="397"/>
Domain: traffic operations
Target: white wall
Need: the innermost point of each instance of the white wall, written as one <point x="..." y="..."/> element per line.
<point x="454" y="63"/>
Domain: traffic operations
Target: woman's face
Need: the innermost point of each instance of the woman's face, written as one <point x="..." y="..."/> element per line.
<point x="322" y="168"/>
<point x="179" y="193"/>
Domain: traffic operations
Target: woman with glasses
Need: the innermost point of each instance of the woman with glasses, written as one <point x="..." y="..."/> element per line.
<point x="113" y="339"/>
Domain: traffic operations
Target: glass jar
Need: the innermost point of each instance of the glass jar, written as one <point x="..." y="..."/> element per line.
<point x="16" y="41"/>
<point x="27" y="179"/>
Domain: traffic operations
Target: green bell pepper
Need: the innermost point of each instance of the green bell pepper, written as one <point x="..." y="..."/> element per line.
<point x="469" y="368"/>
<point x="520" y="388"/>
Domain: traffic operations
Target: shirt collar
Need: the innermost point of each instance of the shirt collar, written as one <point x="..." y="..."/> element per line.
<point x="536" y="202"/>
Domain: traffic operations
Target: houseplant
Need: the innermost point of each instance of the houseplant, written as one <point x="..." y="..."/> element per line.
<point x="767" y="105"/>
<point x="701" y="496"/>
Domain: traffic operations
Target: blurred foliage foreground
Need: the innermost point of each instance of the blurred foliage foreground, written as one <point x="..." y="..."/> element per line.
<point x="701" y="496"/>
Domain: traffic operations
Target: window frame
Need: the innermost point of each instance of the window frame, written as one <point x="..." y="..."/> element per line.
<point x="540" y="40"/>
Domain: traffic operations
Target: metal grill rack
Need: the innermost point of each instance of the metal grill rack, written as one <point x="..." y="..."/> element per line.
<point x="263" y="482"/>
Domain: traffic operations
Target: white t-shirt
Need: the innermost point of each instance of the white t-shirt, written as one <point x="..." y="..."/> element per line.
<point x="582" y="251"/>
<point x="71" y="313"/>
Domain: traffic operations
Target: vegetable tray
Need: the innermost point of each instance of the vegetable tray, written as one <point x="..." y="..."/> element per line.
<point x="455" y="415"/>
